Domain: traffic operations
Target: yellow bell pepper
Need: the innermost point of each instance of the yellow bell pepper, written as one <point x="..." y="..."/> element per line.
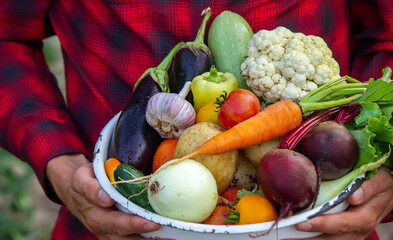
<point x="208" y="86"/>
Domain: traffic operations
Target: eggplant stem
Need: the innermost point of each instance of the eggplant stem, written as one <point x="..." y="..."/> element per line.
<point x="206" y="13"/>
<point x="167" y="61"/>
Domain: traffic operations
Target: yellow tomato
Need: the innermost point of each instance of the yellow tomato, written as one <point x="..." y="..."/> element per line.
<point x="255" y="209"/>
<point x="208" y="113"/>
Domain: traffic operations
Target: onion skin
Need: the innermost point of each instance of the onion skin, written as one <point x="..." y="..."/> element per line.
<point x="288" y="179"/>
<point x="185" y="191"/>
<point x="332" y="147"/>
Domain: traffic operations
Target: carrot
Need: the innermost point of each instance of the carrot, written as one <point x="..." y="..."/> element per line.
<point x="273" y="122"/>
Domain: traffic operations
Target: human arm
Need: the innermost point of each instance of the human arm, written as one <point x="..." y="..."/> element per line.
<point x="36" y="125"/>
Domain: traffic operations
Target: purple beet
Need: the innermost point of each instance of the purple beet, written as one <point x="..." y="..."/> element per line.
<point x="288" y="179"/>
<point x="332" y="148"/>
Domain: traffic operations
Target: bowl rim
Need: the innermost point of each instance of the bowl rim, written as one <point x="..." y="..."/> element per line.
<point x="122" y="202"/>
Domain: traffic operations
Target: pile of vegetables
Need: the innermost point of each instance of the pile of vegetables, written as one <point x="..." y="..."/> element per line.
<point x="196" y="143"/>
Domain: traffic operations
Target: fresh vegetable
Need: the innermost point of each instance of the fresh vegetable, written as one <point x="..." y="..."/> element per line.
<point x="330" y="189"/>
<point x="239" y="105"/>
<point x="185" y="191"/>
<point x="230" y="193"/>
<point x="254" y="208"/>
<point x="134" y="140"/>
<point x="218" y="216"/>
<point x="332" y="149"/>
<point x="282" y="65"/>
<point x="110" y="167"/>
<point x="272" y="122"/>
<point x="164" y="153"/>
<point x="210" y="85"/>
<point x="191" y="60"/>
<point x="350" y="96"/>
<point x="246" y="174"/>
<point x="222" y="166"/>
<point x="208" y="113"/>
<point x="228" y="36"/>
<point x="169" y="113"/>
<point x="288" y="179"/>
<point x="134" y="190"/>
<point x="256" y="152"/>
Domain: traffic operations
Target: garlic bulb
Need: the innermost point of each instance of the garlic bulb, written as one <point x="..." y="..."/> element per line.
<point x="170" y="114"/>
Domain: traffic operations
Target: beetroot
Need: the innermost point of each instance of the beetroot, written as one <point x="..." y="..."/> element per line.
<point x="288" y="179"/>
<point x="332" y="148"/>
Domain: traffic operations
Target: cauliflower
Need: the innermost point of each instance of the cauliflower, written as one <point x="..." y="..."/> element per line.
<point x="282" y="65"/>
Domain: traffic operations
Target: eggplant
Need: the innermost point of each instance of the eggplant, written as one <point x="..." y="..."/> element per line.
<point x="191" y="60"/>
<point x="134" y="141"/>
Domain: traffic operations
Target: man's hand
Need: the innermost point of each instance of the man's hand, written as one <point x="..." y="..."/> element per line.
<point x="370" y="204"/>
<point x="74" y="181"/>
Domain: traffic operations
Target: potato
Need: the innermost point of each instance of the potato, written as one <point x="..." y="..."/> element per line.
<point x="246" y="174"/>
<point x="222" y="166"/>
<point x="256" y="152"/>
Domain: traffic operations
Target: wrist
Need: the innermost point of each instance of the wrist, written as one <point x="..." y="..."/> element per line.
<point x="59" y="171"/>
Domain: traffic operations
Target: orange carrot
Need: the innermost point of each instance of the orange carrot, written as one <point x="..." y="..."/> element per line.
<point x="273" y="122"/>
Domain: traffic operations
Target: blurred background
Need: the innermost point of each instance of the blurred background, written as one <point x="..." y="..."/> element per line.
<point x="25" y="212"/>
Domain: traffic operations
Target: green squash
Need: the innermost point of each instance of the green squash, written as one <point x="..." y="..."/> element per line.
<point x="228" y="36"/>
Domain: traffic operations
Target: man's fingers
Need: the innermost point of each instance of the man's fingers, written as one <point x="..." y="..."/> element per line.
<point x="85" y="184"/>
<point x="337" y="224"/>
<point x="118" y="223"/>
<point x="377" y="184"/>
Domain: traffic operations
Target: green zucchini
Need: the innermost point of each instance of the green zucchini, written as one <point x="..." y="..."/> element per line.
<point x="136" y="192"/>
<point x="227" y="39"/>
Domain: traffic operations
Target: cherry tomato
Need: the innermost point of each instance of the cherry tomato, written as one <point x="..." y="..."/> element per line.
<point x="208" y="113"/>
<point x="218" y="216"/>
<point x="231" y="193"/>
<point x="238" y="106"/>
<point x="164" y="153"/>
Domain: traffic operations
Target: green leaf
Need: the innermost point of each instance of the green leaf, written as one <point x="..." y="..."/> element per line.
<point x="369" y="109"/>
<point x="382" y="128"/>
<point x="366" y="149"/>
<point x="379" y="90"/>
<point x="387" y="111"/>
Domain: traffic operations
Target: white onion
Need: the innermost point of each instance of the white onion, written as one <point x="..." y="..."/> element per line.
<point x="184" y="191"/>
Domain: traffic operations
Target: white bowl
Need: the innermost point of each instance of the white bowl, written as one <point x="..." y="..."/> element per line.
<point x="176" y="229"/>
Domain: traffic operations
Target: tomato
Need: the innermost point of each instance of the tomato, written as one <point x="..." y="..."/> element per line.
<point x="231" y="193"/>
<point x="238" y="106"/>
<point x="218" y="216"/>
<point x="208" y="113"/>
<point x="255" y="209"/>
<point x="164" y="153"/>
<point x="110" y="166"/>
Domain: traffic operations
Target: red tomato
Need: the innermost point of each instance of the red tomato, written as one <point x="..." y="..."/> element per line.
<point x="231" y="193"/>
<point x="218" y="216"/>
<point x="239" y="105"/>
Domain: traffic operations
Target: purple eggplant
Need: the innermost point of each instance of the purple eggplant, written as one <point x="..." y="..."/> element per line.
<point x="191" y="60"/>
<point x="134" y="141"/>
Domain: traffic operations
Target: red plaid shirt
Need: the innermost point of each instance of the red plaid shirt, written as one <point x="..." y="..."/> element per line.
<point x="107" y="45"/>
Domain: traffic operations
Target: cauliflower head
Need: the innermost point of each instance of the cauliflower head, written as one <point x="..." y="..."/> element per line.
<point x="282" y="65"/>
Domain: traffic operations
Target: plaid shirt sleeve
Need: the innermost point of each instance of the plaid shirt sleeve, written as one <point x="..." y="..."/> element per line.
<point x="34" y="122"/>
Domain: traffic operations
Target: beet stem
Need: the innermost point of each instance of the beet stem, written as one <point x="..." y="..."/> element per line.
<point x="291" y="141"/>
